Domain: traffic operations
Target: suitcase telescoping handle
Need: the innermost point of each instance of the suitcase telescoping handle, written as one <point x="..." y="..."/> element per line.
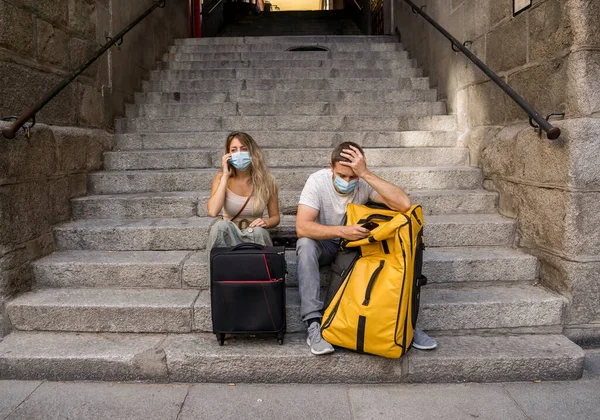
<point x="246" y="245"/>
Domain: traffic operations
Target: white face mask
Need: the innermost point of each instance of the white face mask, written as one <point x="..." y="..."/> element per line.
<point x="345" y="187"/>
<point x="241" y="160"/>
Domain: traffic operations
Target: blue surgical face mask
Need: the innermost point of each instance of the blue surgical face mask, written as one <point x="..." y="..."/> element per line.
<point x="241" y="160"/>
<point x="345" y="187"/>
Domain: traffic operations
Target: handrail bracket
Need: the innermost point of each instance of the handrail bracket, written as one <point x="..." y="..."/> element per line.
<point x="538" y="129"/>
<point x="26" y="128"/>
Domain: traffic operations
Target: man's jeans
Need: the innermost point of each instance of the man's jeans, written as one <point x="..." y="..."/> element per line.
<point x="311" y="255"/>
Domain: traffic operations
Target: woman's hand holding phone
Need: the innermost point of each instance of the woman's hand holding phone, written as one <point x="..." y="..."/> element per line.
<point x="226" y="165"/>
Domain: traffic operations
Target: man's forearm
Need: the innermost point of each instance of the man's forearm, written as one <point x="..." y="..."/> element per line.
<point x="314" y="230"/>
<point x="394" y="196"/>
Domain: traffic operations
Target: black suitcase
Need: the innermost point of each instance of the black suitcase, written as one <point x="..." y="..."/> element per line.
<point x="247" y="290"/>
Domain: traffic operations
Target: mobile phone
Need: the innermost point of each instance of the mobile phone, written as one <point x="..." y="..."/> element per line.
<point x="370" y="225"/>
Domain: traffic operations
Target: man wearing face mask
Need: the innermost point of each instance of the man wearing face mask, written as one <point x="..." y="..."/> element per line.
<point x="321" y="210"/>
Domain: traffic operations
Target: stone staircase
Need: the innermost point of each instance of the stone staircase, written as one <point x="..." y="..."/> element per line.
<point x="126" y="296"/>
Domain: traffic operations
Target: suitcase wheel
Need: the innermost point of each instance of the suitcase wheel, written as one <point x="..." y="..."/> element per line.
<point x="220" y="338"/>
<point x="280" y="338"/>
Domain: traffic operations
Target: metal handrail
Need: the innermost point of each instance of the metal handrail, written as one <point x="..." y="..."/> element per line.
<point x="213" y="7"/>
<point x="552" y="132"/>
<point x="358" y="5"/>
<point x="29" y="114"/>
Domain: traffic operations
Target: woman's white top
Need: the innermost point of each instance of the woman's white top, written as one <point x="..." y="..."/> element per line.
<point x="233" y="204"/>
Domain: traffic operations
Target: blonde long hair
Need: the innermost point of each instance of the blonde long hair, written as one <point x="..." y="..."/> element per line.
<point x="263" y="183"/>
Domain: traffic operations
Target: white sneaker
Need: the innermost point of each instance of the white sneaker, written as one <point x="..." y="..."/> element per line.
<point x="422" y="341"/>
<point x="316" y="342"/>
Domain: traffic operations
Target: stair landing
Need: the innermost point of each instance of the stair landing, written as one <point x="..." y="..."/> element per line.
<point x="199" y="358"/>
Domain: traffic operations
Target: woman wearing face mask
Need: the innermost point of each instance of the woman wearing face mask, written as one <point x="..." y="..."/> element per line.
<point x="242" y="190"/>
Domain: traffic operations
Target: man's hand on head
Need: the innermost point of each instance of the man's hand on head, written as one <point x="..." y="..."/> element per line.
<point x="357" y="161"/>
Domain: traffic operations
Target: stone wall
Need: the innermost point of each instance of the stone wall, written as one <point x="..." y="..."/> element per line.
<point x="38" y="177"/>
<point x="550" y="54"/>
<point x="143" y="46"/>
<point x="41" y="42"/>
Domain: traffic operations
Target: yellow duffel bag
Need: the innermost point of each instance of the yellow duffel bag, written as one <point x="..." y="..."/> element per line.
<point x="373" y="301"/>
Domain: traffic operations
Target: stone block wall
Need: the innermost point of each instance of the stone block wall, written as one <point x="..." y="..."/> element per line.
<point x="38" y="177"/>
<point x="41" y="42"/>
<point x="550" y="54"/>
<point x="143" y="47"/>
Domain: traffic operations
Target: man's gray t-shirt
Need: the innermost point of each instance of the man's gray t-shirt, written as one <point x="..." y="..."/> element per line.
<point x="320" y="194"/>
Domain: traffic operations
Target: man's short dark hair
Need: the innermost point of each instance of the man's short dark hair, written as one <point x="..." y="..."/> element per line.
<point x="336" y="154"/>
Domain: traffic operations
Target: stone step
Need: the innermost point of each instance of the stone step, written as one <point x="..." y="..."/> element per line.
<point x="280" y="47"/>
<point x="216" y="85"/>
<point x="141" y="205"/>
<point x="286" y="55"/>
<point x="491" y="307"/>
<point x="130" y="235"/>
<point x="444" y="310"/>
<point x="273" y="24"/>
<point x="195" y="358"/>
<point x="283" y="158"/>
<point x="287" y="73"/>
<point x="250" y="27"/>
<point x="123" y="182"/>
<point x="153" y="159"/>
<point x="193" y="203"/>
<point x="124" y="269"/>
<point x="192" y="233"/>
<point x="286" y="122"/>
<point x="104" y="310"/>
<point x="189" y="269"/>
<point x="368" y="98"/>
<point x="443" y="266"/>
<point x="271" y="139"/>
<point x="186" y="310"/>
<point x="434" y="202"/>
<point x="395" y="109"/>
<point x="302" y="40"/>
<point x="391" y="63"/>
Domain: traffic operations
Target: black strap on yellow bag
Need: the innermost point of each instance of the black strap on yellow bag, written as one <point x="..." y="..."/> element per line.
<point x="340" y="268"/>
<point x="373" y="299"/>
